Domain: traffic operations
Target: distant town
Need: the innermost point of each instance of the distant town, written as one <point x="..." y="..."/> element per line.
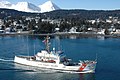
<point x="44" y="25"/>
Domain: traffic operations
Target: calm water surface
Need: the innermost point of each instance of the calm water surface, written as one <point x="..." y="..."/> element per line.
<point x="108" y="51"/>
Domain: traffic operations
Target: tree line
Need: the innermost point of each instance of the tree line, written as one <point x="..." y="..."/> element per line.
<point x="67" y="18"/>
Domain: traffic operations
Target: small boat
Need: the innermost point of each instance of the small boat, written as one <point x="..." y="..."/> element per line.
<point x="56" y="60"/>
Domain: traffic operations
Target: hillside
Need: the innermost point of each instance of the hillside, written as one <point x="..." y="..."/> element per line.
<point x="64" y="14"/>
<point x="64" y="19"/>
<point x="83" y="14"/>
<point x="13" y="13"/>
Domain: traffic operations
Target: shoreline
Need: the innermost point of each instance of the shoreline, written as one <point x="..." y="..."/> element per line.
<point x="64" y="34"/>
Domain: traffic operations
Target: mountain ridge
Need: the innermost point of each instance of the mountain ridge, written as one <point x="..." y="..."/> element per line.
<point x="29" y="7"/>
<point x="5" y="4"/>
<point x="26" y="7"/>
<point x="48" y="6"/>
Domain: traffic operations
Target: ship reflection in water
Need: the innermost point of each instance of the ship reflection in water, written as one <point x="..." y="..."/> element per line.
<point x="87" y="76"/>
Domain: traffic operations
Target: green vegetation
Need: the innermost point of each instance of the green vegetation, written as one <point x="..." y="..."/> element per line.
<point x="64" y="19"/>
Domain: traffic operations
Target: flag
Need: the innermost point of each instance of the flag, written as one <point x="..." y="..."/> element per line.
<point x="45" y="41"/>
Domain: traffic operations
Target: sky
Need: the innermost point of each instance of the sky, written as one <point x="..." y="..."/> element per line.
<point x="78" y="4"/>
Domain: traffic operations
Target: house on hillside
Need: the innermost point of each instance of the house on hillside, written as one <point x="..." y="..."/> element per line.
<point x="73" y="30"/>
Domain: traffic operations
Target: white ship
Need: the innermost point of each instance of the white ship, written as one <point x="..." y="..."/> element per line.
<point x="54" y="60"/>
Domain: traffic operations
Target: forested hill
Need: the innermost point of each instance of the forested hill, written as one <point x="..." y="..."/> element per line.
<point x="64" y="14"/>
<point x="13" y="13"/>
<point x="83" y="14"/>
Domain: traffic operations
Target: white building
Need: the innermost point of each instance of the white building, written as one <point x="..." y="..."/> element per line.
<point x="101" y="31"/>
<point x="73" y="30"/>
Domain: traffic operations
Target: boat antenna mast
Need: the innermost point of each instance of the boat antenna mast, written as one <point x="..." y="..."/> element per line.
<point x="96" y="57"/>
<point x="47" y="43"/>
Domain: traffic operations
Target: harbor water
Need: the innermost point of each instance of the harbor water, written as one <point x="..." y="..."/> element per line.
<point x="105" y="50"/>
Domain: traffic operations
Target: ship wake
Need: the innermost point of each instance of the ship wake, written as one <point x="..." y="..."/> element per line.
<point x="6" y="60"/>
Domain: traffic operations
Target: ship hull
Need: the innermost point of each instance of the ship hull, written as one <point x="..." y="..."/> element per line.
<point x="24" y="60"/>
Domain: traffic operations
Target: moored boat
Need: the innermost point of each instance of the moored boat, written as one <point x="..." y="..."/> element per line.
<point x="55" y="60"/>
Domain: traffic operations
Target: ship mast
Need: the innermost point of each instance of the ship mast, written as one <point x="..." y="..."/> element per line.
<point x="47" y="44"/>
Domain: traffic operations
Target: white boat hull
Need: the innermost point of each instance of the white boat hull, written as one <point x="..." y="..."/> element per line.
<point x="89" y="68"/>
